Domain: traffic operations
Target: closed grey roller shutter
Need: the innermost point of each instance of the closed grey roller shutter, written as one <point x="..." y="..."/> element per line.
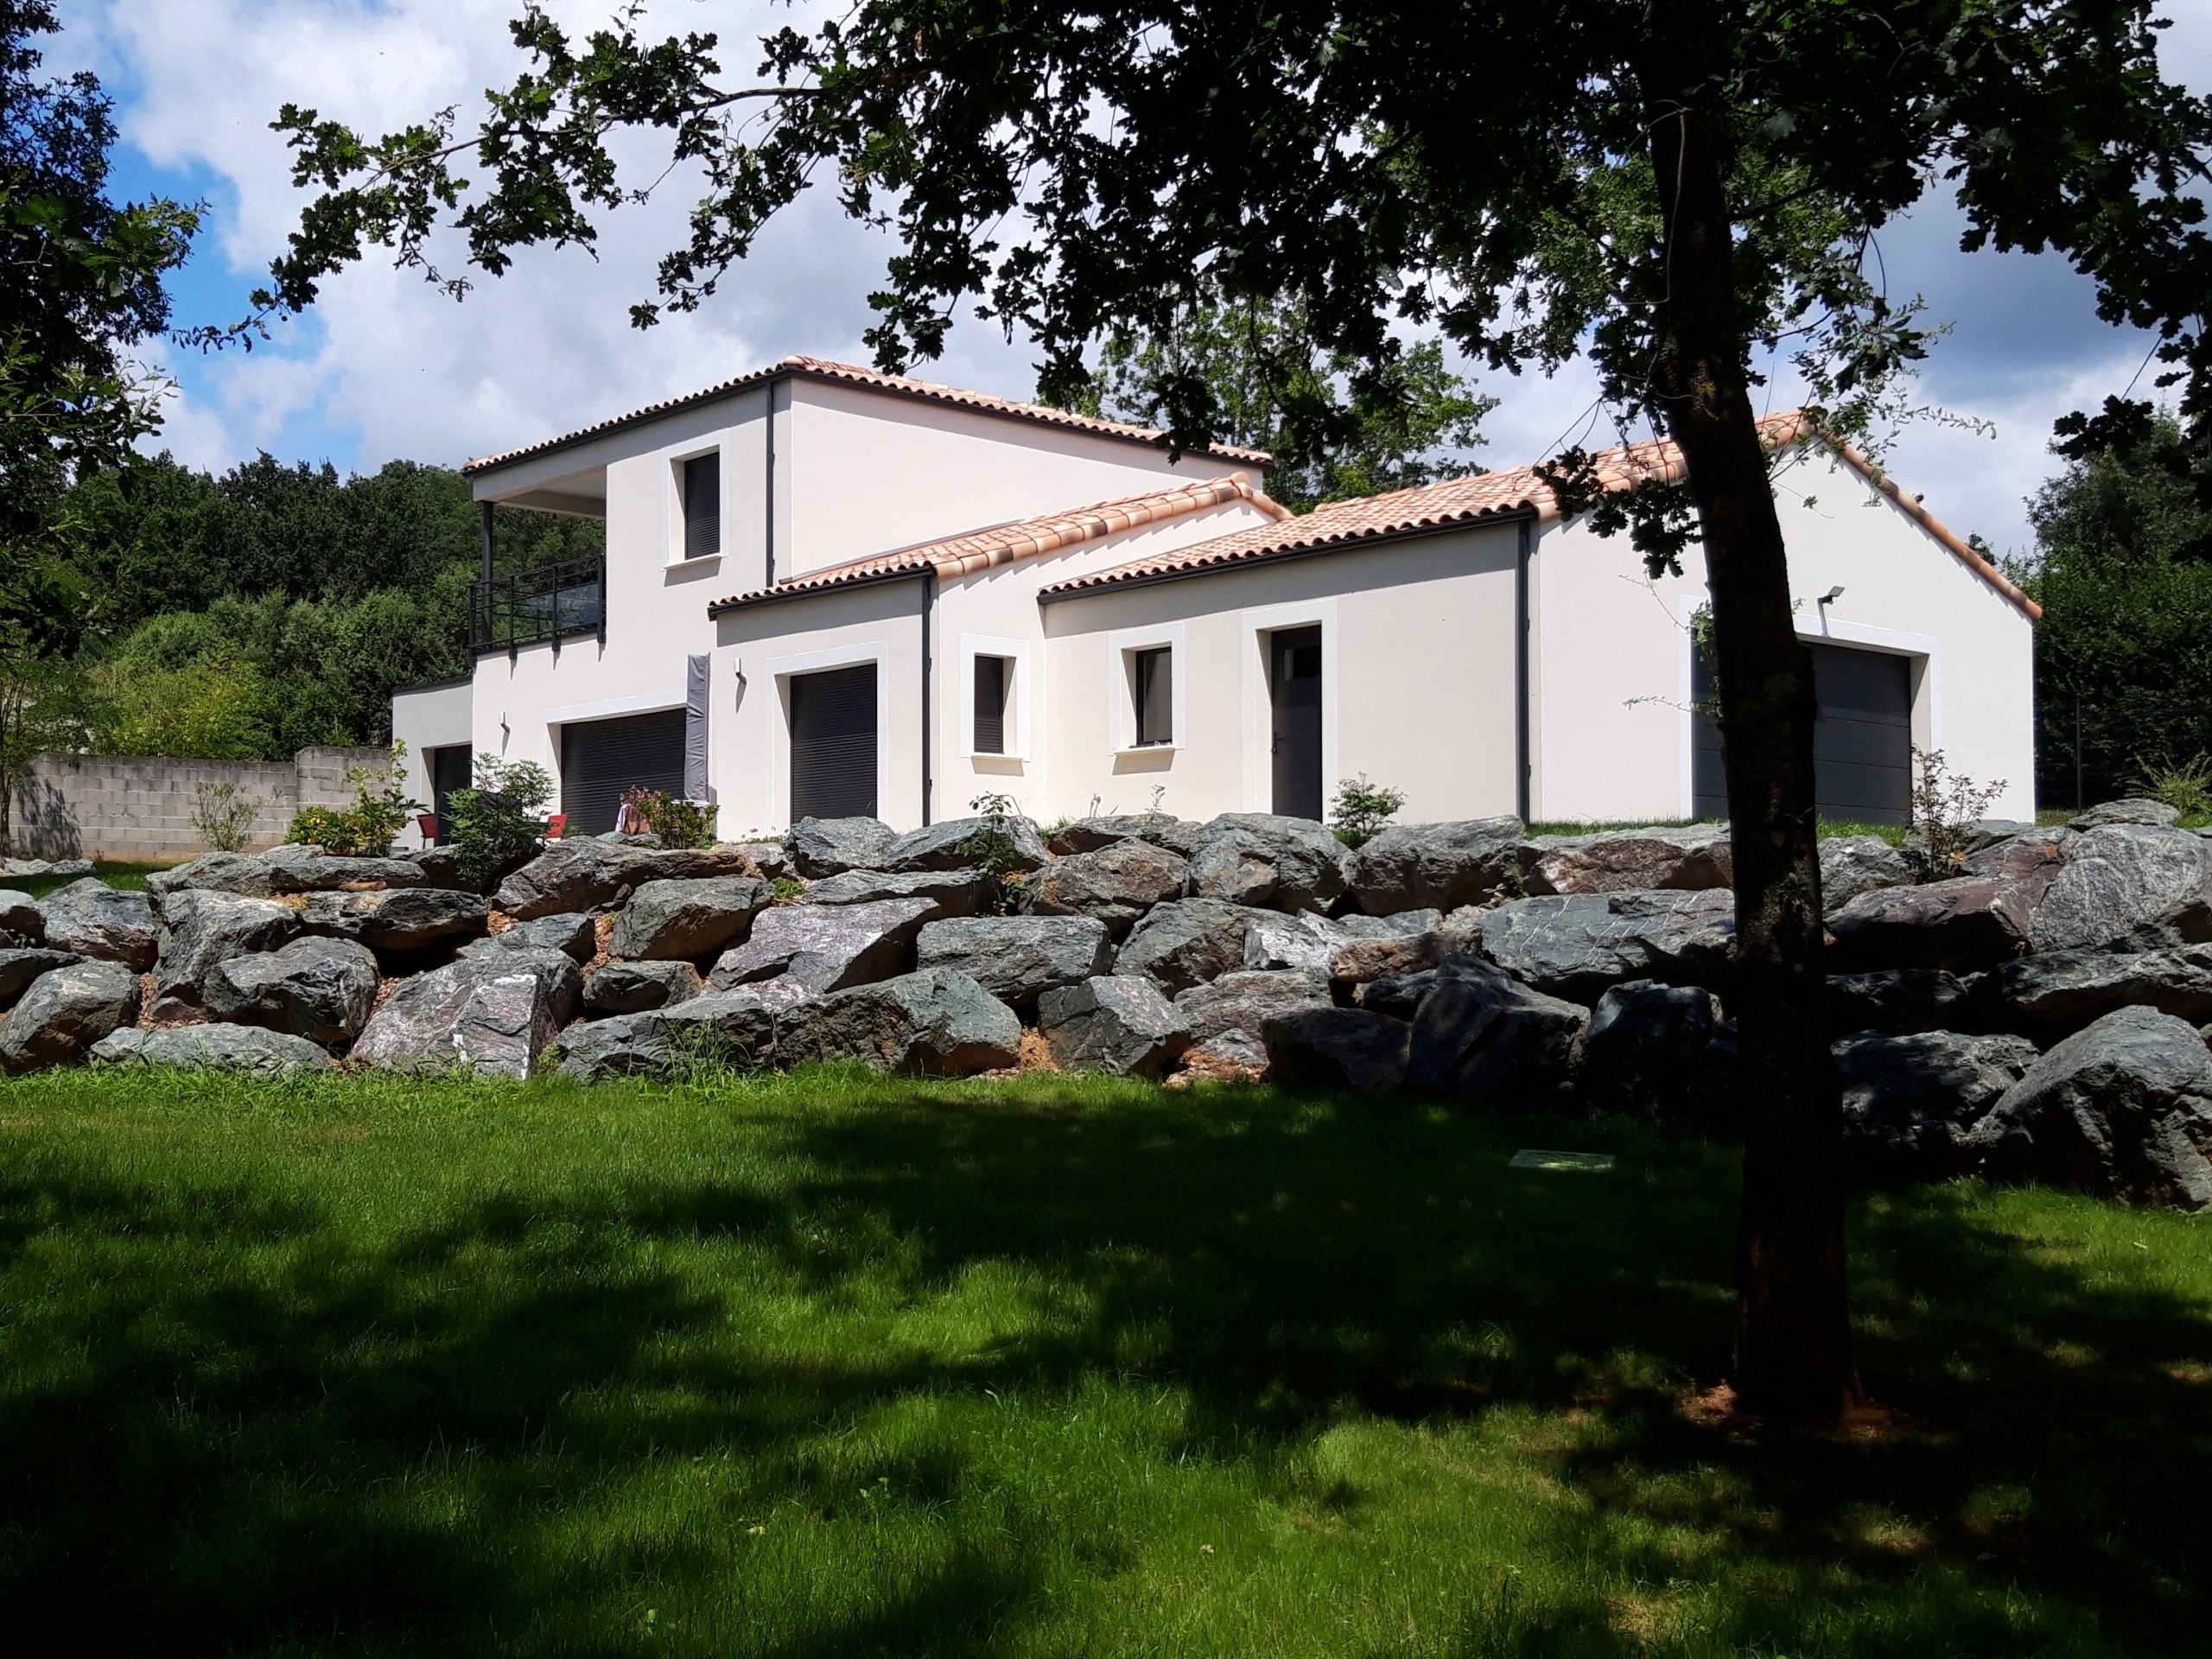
<point x="833" y="744"/>
<point x="1862" y="739"/>
<point x="702" y="506"/>
<point x="600" y="759"/>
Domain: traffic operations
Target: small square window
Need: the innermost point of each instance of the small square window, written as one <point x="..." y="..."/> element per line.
<point x="1154" y="689"/>
<point x="994" y="679"/>
<point x="702" y="506"/>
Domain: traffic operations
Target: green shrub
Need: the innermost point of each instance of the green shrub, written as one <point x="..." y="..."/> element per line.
<point x="1361" y="810"/>
<point x="677" y="822"/>
<point x="2185" y="785"/>
<point x="365" y="829"/>
<point x="498" y="824"/>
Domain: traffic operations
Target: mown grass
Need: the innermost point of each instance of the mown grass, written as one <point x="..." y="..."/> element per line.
<point x="829" y="1366"/>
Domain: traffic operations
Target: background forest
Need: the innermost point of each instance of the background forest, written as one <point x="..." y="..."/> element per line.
<point x="248" y="615"/>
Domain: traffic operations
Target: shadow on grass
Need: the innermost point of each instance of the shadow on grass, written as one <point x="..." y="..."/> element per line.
<point x="225" y="1409"/>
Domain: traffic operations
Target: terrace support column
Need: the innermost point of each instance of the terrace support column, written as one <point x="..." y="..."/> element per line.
<point x="484" y="509"/>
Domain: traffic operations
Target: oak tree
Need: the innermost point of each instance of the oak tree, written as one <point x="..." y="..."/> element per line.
<point x="1671" y="187"/>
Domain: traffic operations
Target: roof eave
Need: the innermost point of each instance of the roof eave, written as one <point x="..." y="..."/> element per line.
<point x="780" y="595"/>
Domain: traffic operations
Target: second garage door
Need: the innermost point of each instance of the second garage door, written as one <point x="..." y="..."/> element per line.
<point x="601" y="758"/>
<point x="1862" y="740"/>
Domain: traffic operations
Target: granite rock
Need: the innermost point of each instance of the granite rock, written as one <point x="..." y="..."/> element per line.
<point x="1114" y="1023"/>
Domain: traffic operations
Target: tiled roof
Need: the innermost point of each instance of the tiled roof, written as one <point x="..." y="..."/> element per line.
<point x="1490" y="496"/>
<point x="814" y="368"/>
<point x="981" y="549"/>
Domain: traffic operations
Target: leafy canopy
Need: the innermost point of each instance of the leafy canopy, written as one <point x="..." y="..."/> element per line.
<point x="1483" y="171"/>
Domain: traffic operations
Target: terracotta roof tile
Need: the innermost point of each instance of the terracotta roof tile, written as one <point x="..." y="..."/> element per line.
<point x="814" y="368"/>
<point x="981" y="549"/>
<point x="1461" y="501"/>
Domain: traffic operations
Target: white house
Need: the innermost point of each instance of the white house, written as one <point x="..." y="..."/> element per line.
<point x="827" y="591"/>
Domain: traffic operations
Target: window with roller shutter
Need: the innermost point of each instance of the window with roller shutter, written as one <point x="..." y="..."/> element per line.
<point x="833" y="743"/>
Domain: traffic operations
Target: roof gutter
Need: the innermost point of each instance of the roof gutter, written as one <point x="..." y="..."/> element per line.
<point x="1350" y="544"/>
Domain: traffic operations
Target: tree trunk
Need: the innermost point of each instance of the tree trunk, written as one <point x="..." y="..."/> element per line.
<point x="1793" y="1331"/>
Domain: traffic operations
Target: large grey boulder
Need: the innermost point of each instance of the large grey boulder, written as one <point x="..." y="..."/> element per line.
<point x="1578" y="945"/>
<point x="1186" y="942"/>
<point x="571" y="933"/>
<point x="396" y="919"/>
<point x="936" y="1022"/>
<point x="91" y="918"/>
<point x="65" y="1012"/>
<point x="21" y="916"/>
<point x="954" y="893"/>
<point x="2128" y="887"/>
<point x="201" y="927"/>
<point x="1961" y="925"/>
<point x="1017" y="958"/>
<point x="1441" y="866"/>
<point x="824" y="948"/>
<point x="2031" y="855"/>
<point x="592" y="874"/>
<point x="1306" y="940"/>
<point x="292" y="867"/>
<point x="1089" y="835"/>
<point x="1361" y="962"/>
<point x="1687" y="858"/>
<point x="1114" y="1023"/>
<point x="1899" y="1002"/>
<point x="1337" y="1049"/>
<point x="1640" y="1050"/>
<point x="19" y="968"/>
<point x="958" y="844"/>
<point x="725" y="1028"/>
<point x="247" y="1049"/>
<point x="769" y="859"/>
<point x="636" y="987"/>
<point x="495" y="1017"/>
<point x="1227" y="1017"/>
<point x="672" y="921"/>
<point x="1910" y="1103"/>
<point x="2048" y="997"/>
<point x="822" y="847"/>
<point x="1115" y="884"/>
<point x="1479" y="1035"/>
<point x="318" y="988"/>
<point x="1264" y="859"/>
<point x="2135" y="809"/>
<point x="2122" y="1109"/>
<point x="1851" y="865"/>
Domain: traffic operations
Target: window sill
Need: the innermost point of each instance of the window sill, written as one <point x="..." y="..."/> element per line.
<point x="996" y="755"/>
<point x="1147" y="748"/>
<point x="699" y="564"/>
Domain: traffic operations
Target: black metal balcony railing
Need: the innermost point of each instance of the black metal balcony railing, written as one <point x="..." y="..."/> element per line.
<point x="551" y="602"/>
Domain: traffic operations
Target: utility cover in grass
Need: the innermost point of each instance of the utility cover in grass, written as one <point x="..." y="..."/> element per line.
<point x="1529" y="1157"/>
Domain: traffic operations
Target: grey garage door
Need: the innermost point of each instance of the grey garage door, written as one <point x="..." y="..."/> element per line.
<point x="600" y="759"/>
<point x="1862" y="743"/>
<point x="833" y="744"/>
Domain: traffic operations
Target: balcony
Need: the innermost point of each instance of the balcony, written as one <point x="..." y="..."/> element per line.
<point x="554" y="601"/>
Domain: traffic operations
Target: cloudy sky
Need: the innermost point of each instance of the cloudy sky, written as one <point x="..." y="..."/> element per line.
<point x="387" y="367"/>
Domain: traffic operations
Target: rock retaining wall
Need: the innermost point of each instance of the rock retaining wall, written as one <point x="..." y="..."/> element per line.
<point x="128" y="807"/>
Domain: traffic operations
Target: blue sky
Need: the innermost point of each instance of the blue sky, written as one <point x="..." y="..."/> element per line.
<point x="386" y="367"/>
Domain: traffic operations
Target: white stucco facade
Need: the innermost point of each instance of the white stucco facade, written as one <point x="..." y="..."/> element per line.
<point x="1498" y="661"/>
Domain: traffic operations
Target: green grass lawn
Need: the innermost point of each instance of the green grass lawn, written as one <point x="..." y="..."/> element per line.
<point x="127" y="875"/>
<point x="826" y="1366"/>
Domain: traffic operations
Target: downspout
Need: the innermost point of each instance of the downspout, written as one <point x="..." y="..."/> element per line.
<point x="928" y="715"/>
<point x="1523" y="748"/>
<point x="768" y="532"/>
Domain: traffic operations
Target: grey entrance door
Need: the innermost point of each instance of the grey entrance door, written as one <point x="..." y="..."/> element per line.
<point x="833" y="744"/>
<point x="1862" y="738"/>
<point x="601" y="758"/>
<point x="1294" y="690"/>
<point x="451" y="768"/>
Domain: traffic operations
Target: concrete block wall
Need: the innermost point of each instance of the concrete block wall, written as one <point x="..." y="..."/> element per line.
<point x="141" y="807"/>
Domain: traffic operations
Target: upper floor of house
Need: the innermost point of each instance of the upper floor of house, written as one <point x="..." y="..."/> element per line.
<point x="810" y="464"/>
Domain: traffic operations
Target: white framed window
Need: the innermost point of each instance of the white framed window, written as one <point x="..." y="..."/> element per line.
<point x="696" y="514"/>
<point x="993" y="713"/>
<point x="1147" y="669"/>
